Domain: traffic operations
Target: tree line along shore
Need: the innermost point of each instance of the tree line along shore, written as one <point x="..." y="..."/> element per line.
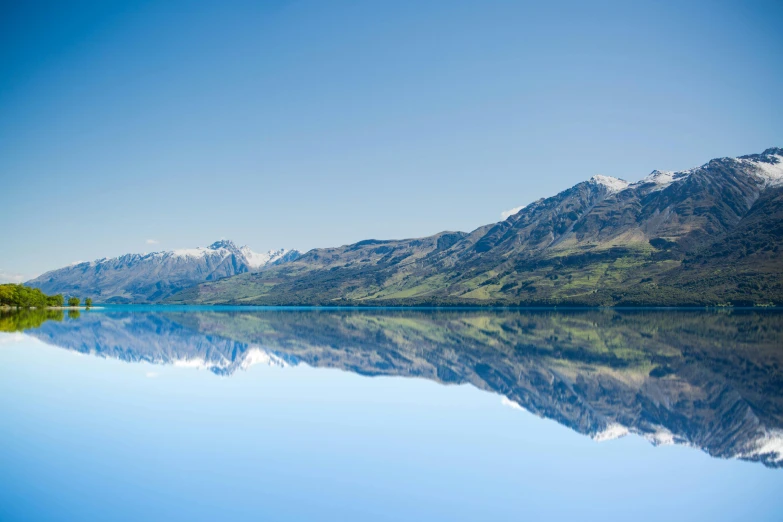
<point x="20" y="296"/>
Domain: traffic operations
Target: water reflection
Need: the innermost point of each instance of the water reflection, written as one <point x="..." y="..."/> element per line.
<point x="711" y="380"/>
<point x="20" y="320"/>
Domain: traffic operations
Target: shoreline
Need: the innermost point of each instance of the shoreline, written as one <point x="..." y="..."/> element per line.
<point x="81" y="308"/>
<point x="456" y="305"/>
<point x="368" y="307"/>
<point x="73" y="308"/>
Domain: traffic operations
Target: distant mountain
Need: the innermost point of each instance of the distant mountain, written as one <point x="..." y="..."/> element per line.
<point x="706" y="236"/>
<point x="144" y="278"/>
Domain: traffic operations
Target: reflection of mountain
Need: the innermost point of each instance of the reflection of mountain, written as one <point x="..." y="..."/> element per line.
<point x="153" y="338"/>
<point x="711" y="380"/>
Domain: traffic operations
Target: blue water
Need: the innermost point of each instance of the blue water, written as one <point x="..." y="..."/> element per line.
<point x="182" y="414"/>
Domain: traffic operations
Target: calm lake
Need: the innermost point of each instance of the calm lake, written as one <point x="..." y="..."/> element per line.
<point x="222" y="414"/>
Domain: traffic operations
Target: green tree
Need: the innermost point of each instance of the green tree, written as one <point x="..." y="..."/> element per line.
<point x="21" y="296"/>
<point x="88" y="302"/>
<point x="55" y="300"/>
<point x="73" y="301"/>
<point x="6" y="295"/>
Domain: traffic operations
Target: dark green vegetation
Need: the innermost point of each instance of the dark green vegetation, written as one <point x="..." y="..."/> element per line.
<point x="707" y="379"/>
<point x="21" y="296"/>
<point x="711" y="236"/>
<point x="88" y="302"/>
<point x="73" y="301"/>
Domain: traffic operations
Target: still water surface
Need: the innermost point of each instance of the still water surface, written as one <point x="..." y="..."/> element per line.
<point x="247" y="414"/>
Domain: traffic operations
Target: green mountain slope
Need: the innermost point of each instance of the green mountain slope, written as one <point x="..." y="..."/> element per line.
<point x="706" y="236"/>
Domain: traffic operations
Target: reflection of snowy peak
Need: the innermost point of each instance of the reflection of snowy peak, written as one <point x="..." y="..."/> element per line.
<point x="765" y="445"/>
<point x="768" y="448"/>
<point x="141" y="278"/>
<point x="610" y="432"/>
<point x="674" y="384"/>
<point x="252" y="356"/>
<point x="155" y="339"/>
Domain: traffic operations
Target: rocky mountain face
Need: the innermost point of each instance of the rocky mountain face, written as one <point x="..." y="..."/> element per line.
<point x="704" y="379"/>
<point x="145" y="278"/>
<point x="705" y="236"/>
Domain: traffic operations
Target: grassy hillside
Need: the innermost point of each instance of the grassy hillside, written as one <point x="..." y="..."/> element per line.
<point x="708" y="236"/>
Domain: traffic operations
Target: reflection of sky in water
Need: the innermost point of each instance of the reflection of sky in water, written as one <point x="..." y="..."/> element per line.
<point x="86" y="438"/>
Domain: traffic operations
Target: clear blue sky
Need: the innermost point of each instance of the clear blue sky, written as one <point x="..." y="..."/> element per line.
<point x="308" y="124"/>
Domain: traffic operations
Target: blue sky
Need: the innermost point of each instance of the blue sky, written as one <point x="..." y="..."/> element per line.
<point x="310" y="124"/>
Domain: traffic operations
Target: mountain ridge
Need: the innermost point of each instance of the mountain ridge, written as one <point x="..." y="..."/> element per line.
<point x="602" y="242"/>
<point x="661" y="241"/>
<point x="150" y="277"/>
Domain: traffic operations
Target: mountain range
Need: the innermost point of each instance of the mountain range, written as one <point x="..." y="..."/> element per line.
<point x="710" y="235"/>
<point x="146" y="278"/>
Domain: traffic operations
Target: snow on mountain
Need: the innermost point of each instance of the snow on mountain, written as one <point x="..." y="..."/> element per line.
<point x="663" y="178"/>
<point x="769" y="447"/>
<point x="770" y="169"/>
<point x="768" y="166"/>
<point x="187" y="252"/>
<point x="612" y="184"/>
<point x="660" y="178"/>
<point x="257" y="355"/>
<point x="143" y="278"/>
<point x="257" y="260"/>
<point x="611" y="432"/>
<point x="221" y="365"/>
<point x="219" y="249"/>
<point x="226" y="248"/>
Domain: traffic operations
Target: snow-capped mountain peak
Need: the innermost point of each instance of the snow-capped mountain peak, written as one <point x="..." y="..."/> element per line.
<point x="223" y="243"/>
<point x="663" y="178"/>
<point x="141" y="278"/>
<point x="257" y="260"/>
<point x="768" y="165"/>
<point x="224" y="248"/>
<point x="612" y="184"/>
